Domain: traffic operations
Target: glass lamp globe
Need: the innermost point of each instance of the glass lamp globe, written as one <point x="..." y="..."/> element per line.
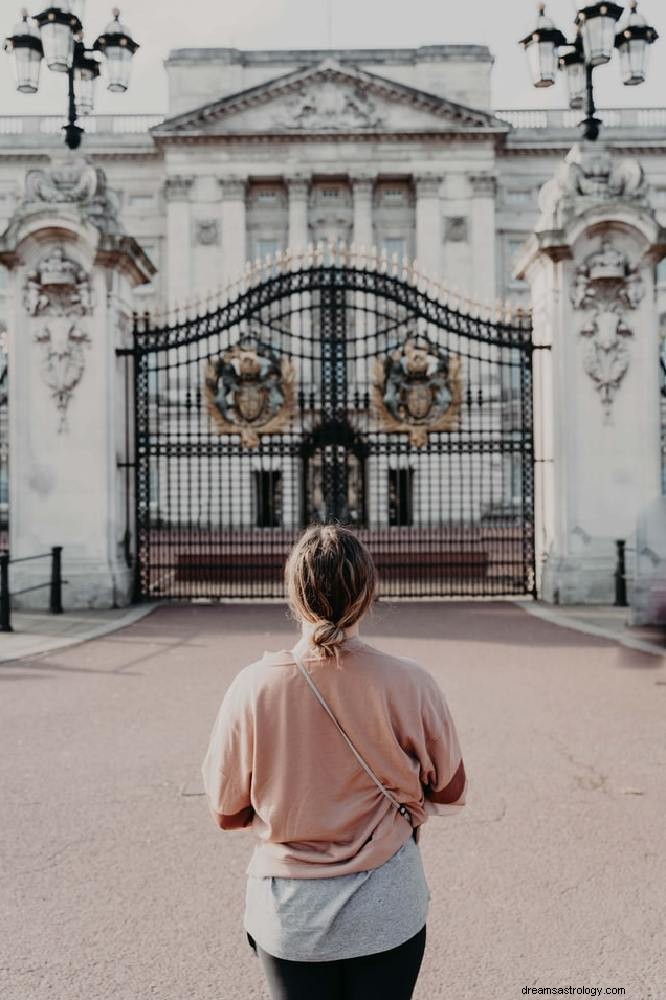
<point x="572" y="62"/>
<point x="57" y="27"/>
<point x="541" y="46"/>
<point x="597" y="25"/>
<point x="26" y="46"/>
<point x="632" y="40"/>
<point x="118" y="47"/>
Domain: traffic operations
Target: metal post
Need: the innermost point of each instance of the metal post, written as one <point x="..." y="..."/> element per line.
<point x="5" y="623"/>
<point x="55" y="602"/>
<point x="72" y="131"/>
<point x="590" y="123"/>
<point x="620" y="576"/>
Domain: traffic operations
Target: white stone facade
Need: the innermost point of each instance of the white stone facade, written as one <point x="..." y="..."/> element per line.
<point x="396" y="150"/>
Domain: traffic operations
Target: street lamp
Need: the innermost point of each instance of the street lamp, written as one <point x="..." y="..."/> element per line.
<point x="600" y="27"/>
<point x="57" y="35"/>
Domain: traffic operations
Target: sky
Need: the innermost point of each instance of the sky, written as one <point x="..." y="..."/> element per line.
<point x="162" y="25"/>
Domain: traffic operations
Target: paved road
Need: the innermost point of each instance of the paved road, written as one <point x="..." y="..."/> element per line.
<point x="116" y="885"/>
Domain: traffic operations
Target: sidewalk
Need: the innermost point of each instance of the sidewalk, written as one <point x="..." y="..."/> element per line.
<point x="603" y="620"/>
<point x="40" y="632"/>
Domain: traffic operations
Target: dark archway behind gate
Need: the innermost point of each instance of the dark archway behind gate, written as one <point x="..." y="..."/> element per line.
<point x="333" y="392"/>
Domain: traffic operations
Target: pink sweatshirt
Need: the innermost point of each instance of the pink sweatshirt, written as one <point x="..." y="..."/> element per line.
<point x="277" y="763"/>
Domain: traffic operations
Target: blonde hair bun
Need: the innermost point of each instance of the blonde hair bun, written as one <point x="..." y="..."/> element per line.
<point x="327" y="636"/>
<point x="331" y="582"/>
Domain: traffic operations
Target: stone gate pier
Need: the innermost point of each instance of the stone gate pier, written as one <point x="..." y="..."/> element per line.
<point x="590" y="265"/>
<point x="71" y="269"/>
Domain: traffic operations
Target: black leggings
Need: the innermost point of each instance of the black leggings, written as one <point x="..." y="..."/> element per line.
<point x="386" y="975"/>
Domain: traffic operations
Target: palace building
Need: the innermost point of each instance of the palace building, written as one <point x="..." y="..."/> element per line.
<point x="394" y="159"/>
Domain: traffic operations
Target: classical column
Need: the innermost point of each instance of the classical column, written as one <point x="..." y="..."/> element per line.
<point x="71" y="273"/>
<point x="362" y="190"/>
<point x="428" y="225"/>
<point x="483" y="187"/>
<point x="590" y="266"/>
<point x="298" y="186"/>
<point x="234" y="238"/>
<point x="177" y="190"/>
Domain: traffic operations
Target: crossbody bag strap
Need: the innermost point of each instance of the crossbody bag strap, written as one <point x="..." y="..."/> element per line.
<point x="402" y="809"/>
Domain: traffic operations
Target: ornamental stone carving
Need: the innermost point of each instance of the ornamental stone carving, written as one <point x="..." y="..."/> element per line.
<point x="250" y="391"/>
<point x="590" y="174"/>
<point x="329" y="106"/>
<point x="58" y="294"/>
<point x="178" y="187"/>
<point x="606" y="287"/>
<point x="72" y="181"/>
<point x="206" y="232"/>
<point x="417" y="390"/>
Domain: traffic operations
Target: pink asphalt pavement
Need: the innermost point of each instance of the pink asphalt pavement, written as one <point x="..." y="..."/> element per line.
<point x="116" y="884"/>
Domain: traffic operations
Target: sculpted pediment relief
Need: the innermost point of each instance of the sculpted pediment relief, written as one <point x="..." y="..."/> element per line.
<point x="329" y="98"/>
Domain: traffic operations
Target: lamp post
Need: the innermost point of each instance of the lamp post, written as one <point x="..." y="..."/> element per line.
<point x="56" y="34"/>
<point x="600" y="27"/>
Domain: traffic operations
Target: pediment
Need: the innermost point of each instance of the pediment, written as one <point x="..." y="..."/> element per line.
<point x="329" y="98"/>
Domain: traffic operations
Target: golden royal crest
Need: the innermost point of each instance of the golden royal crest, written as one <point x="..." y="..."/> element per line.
<point x="418" y="389"/>
<point x="249" y="391"/>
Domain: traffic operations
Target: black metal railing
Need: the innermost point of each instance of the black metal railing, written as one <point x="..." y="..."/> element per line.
<point x="55" y="583"/>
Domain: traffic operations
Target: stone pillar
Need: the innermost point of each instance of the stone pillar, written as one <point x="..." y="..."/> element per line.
<point x="590" y="266"/>
<point x="362" y="189"/>
<point x="298" y="187"/>
<point x="71" y="272"/>
<point x="234" y="252"/>
<point x="484" y="188"/>
<point x="428" y="225"/>
<point x="177" y="189"/>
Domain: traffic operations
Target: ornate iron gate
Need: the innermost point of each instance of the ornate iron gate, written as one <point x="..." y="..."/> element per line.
<point x="334" y="392"/>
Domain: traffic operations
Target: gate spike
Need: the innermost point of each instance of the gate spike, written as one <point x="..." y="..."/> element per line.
<point x="412" y="271"/>
<point x="372" y="263"/>
<point x="395" y="266"/>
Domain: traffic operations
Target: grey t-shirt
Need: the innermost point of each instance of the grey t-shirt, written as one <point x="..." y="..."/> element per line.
<point x="343" y="916"/>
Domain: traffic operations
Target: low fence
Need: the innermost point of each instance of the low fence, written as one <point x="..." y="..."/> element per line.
<point x="54" y="582"/>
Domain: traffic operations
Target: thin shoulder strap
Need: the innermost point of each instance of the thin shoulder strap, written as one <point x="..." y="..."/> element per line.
<point x="402" y="809"/>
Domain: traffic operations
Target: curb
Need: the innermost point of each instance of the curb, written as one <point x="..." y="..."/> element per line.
<point x="49" y="644"/>
<point x="564" y="621"/>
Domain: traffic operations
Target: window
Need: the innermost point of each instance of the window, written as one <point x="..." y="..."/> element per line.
<point x="267" y="498"/>
<point x="266" y="194"/>
<point x="330" y="192"/>
<point x="141" y="202"/>
<point x="661" y="272"/>
<point x="518" y="196"/>
<point x="401" y="497"/>
<point x="264" y="247"/>
<point x="150" y="248"/>
<point x="514" y="248"/>
<point x="397" y="246"/>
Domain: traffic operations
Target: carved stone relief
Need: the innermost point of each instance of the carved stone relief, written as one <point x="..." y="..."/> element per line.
<point x="329" y="106"/>
<point x="418" y="389"/>
<point x="73" y="181"/>
<point x="455" y="229"/>
<point x="589" y="174"/>
<point x="58" y="294"/>
<point x="606" y="288"/>
<point x="207" y="232"/>
<point x="249" y="391"/>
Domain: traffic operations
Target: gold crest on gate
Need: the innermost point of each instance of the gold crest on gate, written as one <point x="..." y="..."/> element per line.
<point x="249" y="391"/>
<point x="418" y="389"/>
